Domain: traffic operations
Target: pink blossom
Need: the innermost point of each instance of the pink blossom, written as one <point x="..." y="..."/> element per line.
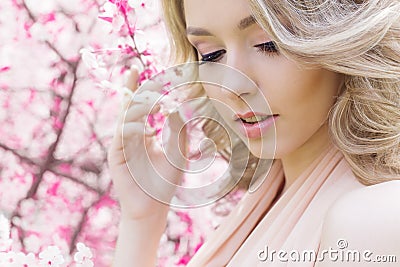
<point x="105" y="201"/>
<point x="57" y="124"/>
<point x="21" y="260"/>
<point x="110" y="12"/>
<point x="184" y="260"/>
<point x="122" y="5"/>
<point x="198" y="246"/>
<point x="39" y="70"/>
<point x="48" y="17"/>
<point x="145" y="75"/>
<point x="51" y="256"/>
<point x="5" y="68"/>
<point x="128" y="50"/>
<point x="108" y="9"/>
<point x="65" y="232"/>
<point x="136" y="4"/>
<point x="57" y="104"/>
<point x="65" y="168"/>
<point x="27" y="27"/>
<point x="52" y="191"/>
<point x="93" y="137"/>
<point x="5" y="241"/>
<point x="38" y="32"/>
<point x="105" y="18"/>
<point x="32" y="95"/>
<point x="90" y="103"/>
<point x="146" y="53"/>
<point x="89" y="58"/>
<point x="8" y="258"/>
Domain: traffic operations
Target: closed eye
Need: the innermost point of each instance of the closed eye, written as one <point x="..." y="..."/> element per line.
<point x="214" y="56"/>
<point x="265" y="48"/>
<point x="268" y="47"/>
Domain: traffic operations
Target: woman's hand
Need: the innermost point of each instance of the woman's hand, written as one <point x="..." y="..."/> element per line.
<point x="132" y="147"/>
<point x="136" y="160"/>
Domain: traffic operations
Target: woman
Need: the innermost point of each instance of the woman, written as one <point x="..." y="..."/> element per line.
<point x="330" y="71"/>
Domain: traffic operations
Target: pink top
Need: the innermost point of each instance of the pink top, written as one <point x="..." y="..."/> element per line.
<point x="294" y="222"/>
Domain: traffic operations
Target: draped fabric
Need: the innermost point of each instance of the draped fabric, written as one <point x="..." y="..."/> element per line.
<point x="292" y="223"/>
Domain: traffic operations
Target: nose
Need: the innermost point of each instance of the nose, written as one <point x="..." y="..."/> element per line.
<point x="238" y="79"/>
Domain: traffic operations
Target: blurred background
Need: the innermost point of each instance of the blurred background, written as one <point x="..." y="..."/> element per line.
<point x="61" y="64"/>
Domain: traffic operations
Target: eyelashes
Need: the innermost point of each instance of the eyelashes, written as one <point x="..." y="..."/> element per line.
<point x="268" y="48"/>
<point x="213" y="57"/>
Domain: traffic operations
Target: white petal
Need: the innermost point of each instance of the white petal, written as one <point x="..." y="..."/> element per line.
<point x="109" y="9"/>
<point x="89" y="58"/>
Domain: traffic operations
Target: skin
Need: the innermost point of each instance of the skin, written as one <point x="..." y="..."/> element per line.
<point x="301" y="97"/>
<point x="368" y="219"/>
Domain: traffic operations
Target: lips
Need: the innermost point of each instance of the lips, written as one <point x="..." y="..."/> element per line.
<point x="255" y="124"/>
<point x="250" y="115"/>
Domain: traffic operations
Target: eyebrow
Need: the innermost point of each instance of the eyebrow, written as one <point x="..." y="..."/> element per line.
<point x="242" y="25"/>
<point x="246" y="22"/>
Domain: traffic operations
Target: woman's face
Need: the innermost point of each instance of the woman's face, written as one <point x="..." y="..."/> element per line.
<point x="223" y="31"/>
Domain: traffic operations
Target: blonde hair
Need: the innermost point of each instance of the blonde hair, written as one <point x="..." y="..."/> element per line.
<point x="361" y="40"/>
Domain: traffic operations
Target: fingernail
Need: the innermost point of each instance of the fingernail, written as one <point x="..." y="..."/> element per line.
<point x="125" y="90"/>
<point x="134" y="68"/>
<point x="150" y="131"/>
<point x="156" y="108"/>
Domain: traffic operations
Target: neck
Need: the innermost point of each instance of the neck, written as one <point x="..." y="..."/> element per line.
<point x="296" y="162"/>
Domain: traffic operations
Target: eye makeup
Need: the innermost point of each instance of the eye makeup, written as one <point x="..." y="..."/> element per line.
<point x="267" y="48"/>
<point x="213" y="57"/>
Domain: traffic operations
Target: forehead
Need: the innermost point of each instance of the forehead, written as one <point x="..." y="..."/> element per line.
<point x="214" y="13"/>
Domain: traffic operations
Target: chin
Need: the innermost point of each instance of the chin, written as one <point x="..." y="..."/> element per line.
<point x="265" y="151"/>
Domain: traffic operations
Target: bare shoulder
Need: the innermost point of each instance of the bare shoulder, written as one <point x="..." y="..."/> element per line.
<point x="374" y="202"/>
<point x="366" y="219"/>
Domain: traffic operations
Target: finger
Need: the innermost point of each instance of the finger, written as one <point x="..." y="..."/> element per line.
<point x="147" y="93"/>
<point x="129" y="125"/>
<point x="124" y="106"/>
<point x="125" y="132"/>
<point x="135" y="113"/>
<point x="175" y="122"/>
<point x="152" y="86"/>
<point x="138" y="111"/>
<point x="133" y="78"/>
<point x="176" y="145"/>
<point x="135" y="129"/>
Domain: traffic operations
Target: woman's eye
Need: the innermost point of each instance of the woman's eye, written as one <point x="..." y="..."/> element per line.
<point x="213" y="57"/>
<point x="268" y="47"/>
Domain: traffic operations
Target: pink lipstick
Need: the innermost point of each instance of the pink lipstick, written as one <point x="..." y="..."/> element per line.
<point x="254" y="125"/>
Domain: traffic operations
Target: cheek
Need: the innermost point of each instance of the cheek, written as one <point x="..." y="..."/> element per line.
<point x="303" y="99"/>
<point x="217" y="97"/>
<point x="318" y="92"/>
<point x="299" y="92"/>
